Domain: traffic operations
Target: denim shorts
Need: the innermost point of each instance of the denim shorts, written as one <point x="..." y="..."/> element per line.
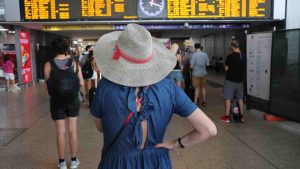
<point x="176" y="75"/>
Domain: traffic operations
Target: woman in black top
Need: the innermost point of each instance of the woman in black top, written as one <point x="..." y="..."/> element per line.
<point x="68" y="110"/>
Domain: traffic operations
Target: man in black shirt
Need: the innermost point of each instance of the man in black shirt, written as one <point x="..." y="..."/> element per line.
<point x="235" y="67"/>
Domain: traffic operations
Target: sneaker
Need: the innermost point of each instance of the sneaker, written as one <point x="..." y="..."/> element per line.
<point x="74" y="164"/>
<point x="225" y="119"/>
<point x="17" y="87"/>
<point x="9" y="90"/>
<point x="242" y="120"/>
<point x="62" y="165"/>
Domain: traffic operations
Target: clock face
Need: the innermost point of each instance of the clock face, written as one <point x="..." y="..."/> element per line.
<point x="152" y="7"/>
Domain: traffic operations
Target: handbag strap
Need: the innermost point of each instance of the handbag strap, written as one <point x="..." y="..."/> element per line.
<point x="128" y="118"/>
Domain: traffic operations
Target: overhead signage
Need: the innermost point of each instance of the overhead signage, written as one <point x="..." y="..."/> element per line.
<point x="192" y="26"/>
<point x="77" y="27"/>
<point x="119" y="27"/>
<point x="218" y="9"/>
<point x="82" y="10"/>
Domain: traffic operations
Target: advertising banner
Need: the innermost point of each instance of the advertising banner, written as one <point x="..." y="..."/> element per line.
<point x="26" y="58"/>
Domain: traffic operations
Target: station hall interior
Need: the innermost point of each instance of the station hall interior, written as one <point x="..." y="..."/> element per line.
<point x="268" y="34"/>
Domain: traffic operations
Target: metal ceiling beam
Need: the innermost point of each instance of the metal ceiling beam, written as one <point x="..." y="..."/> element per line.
<point x="147" y="21"/>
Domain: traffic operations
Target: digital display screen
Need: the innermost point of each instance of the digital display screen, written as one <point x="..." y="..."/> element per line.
<point x="211" y="9"/>
<point x="81" y="10"/>
<point x="39" y="10"/>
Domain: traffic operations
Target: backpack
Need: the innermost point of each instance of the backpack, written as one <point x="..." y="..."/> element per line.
<point x="87" y="71"/>
<point x="63" y="84"/>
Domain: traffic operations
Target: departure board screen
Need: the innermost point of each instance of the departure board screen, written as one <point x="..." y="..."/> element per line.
<point x="39" y="10"/>
<point x="81" y="10"/>
<point x="218" y="9"/>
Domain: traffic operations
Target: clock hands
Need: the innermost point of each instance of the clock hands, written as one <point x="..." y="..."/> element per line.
<point x="151" y="7"/>
<point x="155" y="4"/>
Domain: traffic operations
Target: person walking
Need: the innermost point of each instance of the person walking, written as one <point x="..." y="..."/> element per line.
<point x="8" y="69"/>
<point x="176" y="74"/>
<point x="189" y="90"/>
<point x="90" y="70"/>
<point x="83" y="57"/>
<point x="198" y="63"/>
<point x="134" y="102"/>
<point x="76" y="55"/>
<point x="63" y="87"/>
<point x="235" y="67"/>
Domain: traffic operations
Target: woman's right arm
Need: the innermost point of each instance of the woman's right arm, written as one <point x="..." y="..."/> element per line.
<point x="203" y="129"/>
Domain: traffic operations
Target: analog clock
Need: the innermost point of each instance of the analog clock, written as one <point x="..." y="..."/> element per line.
<point x="152" y="7"/>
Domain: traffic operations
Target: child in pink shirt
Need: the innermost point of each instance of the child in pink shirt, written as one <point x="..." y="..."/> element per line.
<point x="8" y="69"/>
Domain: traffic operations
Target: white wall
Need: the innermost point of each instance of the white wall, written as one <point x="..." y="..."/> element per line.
<point x="7" y="38"/>
<point x="293" y="14"/>
<point x="176" y="34"/>
<point x="12" y="10"/>
<point x="214" y="45"/>
<point x="219" y="45"/>
<point x="196" y="39"/>
<point x="279" y="9"/>
<point x="209" y="46"/>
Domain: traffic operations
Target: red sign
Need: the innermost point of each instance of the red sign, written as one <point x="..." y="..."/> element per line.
<point x="25" y="57"/>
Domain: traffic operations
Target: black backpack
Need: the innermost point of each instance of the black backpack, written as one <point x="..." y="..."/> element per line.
<point x="63" y="84"/>
<point x="87" y="71"/>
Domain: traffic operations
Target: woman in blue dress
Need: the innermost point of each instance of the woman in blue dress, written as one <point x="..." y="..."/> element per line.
<point x="134" y="103"/>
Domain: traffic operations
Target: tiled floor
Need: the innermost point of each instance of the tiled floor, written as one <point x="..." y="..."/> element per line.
<point x="256" y="144"/>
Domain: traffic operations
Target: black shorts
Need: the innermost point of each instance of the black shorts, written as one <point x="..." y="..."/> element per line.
<point x="60" y="111"/>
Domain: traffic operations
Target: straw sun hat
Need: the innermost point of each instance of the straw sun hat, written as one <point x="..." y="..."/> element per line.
<point x="132" y="57"/>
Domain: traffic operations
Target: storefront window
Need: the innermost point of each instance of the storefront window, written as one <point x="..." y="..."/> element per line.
<point x="9" y="47"/>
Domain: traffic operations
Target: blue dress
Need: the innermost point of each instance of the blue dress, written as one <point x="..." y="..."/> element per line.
<point x="113" y="103"/>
